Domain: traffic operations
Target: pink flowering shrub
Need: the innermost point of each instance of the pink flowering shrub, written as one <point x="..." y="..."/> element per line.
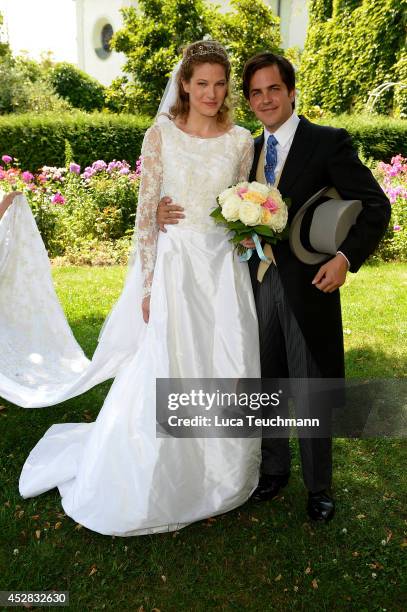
<point x="75" y="208"/>
<point x="393" y="179"/>
<point x="58" y="198"/>
<point x="93" y="209"/>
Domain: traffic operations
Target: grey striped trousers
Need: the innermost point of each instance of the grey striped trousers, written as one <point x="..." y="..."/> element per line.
<point x="283" y="354"/>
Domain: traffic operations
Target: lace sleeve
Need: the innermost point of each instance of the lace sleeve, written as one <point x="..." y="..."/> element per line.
<point x="149" y="196"/>
<point x="247" y="159"/>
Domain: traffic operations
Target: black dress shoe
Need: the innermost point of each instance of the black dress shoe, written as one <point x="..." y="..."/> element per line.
<point x="269" y="487"/>
<point x="321" y="506"/>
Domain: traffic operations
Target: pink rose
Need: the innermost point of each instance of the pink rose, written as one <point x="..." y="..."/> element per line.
<point x="270" y="205"/>
<point x="242" y="191"/>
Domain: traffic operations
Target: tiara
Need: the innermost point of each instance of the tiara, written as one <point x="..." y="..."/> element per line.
<point x="205" y="50"/>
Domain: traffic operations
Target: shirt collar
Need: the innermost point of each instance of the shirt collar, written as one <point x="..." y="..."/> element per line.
<point x="285" y="132"/>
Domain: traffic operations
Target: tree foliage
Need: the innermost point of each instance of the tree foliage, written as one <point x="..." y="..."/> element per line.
<point x="27" y="85"/>
<point x="78" y="88"/>
<point x="154" y="33"/>
<point x="24" y="87"/>
<point x="352" y="47"/>
<point x="249" y="28"/>
<point x="4" y="46"/>
<point x="152" y="36"/>
<point x="23" y="84"/>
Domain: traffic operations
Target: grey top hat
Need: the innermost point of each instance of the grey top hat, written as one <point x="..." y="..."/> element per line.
<point x="321" y="225"/>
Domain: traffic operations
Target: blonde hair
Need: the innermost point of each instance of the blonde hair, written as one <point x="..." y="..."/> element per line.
<point x="201" y="52"/>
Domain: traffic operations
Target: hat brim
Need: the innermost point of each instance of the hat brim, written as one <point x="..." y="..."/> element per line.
<point x="317" y="237"/>
<point x="303" y="254"/>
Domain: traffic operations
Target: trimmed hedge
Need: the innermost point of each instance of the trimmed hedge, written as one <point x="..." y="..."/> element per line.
<point x="376" y="137"/>
<point x="37" y="140"/>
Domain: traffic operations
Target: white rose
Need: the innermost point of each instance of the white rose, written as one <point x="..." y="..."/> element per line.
<point x="244" y="184"/>
<point x="250" y="213"/>
<point x="279" y="219"/>
<point x="263" y="189"/>
<point x="275" y="195"/>
<point x="231" y="207"/>
<point x="225" y="194"/>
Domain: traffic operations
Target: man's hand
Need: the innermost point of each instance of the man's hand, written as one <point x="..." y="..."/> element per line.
<point x="331" y="275"/>
<point x="145" y="307"/>
<point x="168" y="213"/>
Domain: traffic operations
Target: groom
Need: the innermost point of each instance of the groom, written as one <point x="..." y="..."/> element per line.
<point x="298" y="305"/>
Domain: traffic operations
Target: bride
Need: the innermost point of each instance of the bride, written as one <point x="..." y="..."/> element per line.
<point x="187" y="311"/>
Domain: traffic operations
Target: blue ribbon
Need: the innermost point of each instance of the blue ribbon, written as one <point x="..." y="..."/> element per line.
<point x="246" y="256"/>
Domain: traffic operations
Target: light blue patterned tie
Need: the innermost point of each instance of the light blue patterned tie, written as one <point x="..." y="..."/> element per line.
<point x="271" y="159"/>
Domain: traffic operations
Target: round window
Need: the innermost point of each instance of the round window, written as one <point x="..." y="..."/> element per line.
<point x="106" y="37"/>
<point x="102" y="35"/>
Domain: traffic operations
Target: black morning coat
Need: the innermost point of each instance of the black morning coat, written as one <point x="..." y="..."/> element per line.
<point x="320" y="157"/>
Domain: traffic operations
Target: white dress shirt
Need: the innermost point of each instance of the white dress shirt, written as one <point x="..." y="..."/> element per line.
<point x="285" y="136"/>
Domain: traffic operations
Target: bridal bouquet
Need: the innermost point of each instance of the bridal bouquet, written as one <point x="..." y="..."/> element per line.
<point x="250" y="210"/>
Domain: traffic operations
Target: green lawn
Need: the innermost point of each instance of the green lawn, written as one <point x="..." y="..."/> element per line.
<point x="259" y="557"/>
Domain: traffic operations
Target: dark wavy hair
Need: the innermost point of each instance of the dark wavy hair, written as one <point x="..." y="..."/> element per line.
<point x="201" y="52"/>
<point x="263" y="60"/>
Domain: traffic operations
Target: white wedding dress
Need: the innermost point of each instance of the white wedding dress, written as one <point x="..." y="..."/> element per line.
<point x="114" y="475"/>
<point x="41" y="363"/>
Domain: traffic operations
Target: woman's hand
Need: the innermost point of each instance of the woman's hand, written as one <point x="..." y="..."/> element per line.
<point x="7" y="201"/>
<point x="248" y="243"/>
<point x="145" y="307"/>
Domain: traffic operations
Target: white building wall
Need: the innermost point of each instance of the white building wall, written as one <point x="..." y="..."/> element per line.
<point x="293" y="21"/>
<point x="92" y="15"/>
<point x="297" y="24"/>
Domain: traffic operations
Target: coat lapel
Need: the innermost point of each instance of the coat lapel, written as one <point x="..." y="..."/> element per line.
<point x="301" y="149"/>
<point x="258" y="145"/>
